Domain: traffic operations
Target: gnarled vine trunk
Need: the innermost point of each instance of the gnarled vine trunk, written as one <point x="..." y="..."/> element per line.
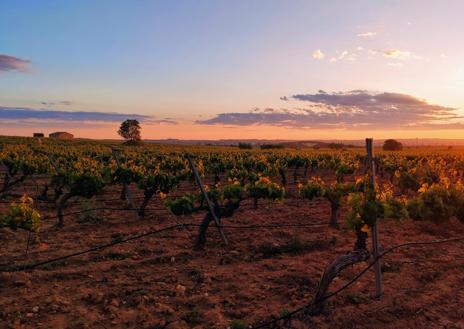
<point x="201" y="238"/>
<point x="147" y="197"/>
<point x="60" y="207"/>
<point x="221" y="212"/>
<point x="283" y="177"/>
<point x="357" y="255"/>
<point x="334" y="207"/>
<point x="122" y="196"/>
<point x="306" y="170"/>
<point x="44" y="194"/>
<point x="295" y="174"/>
<point x="58" y="192"/>
<point x="9" y="183"/>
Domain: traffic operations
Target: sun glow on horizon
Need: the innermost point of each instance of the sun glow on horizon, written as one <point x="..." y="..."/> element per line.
<point x="193" y="71"/>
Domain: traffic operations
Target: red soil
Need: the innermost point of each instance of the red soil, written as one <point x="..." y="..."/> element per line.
<point x="160" y="279"/>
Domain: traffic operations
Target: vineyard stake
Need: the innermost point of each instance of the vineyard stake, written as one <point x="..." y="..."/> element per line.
<point x="127" y="192"/>
<point x="208" y="201"/>
<point x="375" y="232"/>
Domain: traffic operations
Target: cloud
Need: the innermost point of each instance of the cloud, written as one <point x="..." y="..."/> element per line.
<point x="367" y="35"/>
<point x="399" y="54"/>
<point x="360" y="53"/>
<point x="11" y="63"/>
<point x="318" y="54"/>
<point x="27" y="117"/>
<point x="67" y="103"/>
<point x="356" y="109"/>
<point x="167" y="121"/>
<point x="343" y="55"/>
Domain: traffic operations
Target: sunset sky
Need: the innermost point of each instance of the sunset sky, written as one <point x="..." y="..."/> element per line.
<point x="215" y="69"/>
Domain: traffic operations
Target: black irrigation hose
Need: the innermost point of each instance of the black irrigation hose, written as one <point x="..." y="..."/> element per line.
<point x="355" y="278"/>
<point x="117" y="209"/>
<point x="274" y="321"/>
<point x="387" y="251"/>
<point x="257" y="226"/>
<point x="103" y="246"/>
<point x="117" y="199"/>
<point x="139" y="236"/>
<point x="102" y="208"/>
<point x="77" y="202"/>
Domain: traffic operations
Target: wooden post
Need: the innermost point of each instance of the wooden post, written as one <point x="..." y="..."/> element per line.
<point x="127" y="192"/>
<point x="375" y="232"/>
<point x="208" y="201"/>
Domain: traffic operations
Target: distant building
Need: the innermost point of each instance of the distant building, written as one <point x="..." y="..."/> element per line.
<point x="38" y="135"/>
<point x="61" y="135"/>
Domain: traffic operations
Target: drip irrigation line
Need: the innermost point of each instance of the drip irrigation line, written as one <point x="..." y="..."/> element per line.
<point x="123" y="209"/>
<point x="389" y="250"/>
<point x="102" y="208"/>
<point x="355" y="278"/>
<point x="100" y="247"/>
<point x="153" y="232"/>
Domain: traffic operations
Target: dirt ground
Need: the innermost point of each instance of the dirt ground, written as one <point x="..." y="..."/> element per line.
<point x="161" y="282"/>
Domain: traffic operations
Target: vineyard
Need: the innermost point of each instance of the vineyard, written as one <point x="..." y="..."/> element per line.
<point x="98" y="235"/>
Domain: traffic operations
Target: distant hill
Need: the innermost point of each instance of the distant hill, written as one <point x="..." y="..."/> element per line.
<point x="310" y="143"/>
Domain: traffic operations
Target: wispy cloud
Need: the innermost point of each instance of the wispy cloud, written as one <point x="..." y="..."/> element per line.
<point x="367" y="35"/>
<point x="318" y="54"/>
<point x="167" y="121"/>
<point x="41" y="117"/>
<point x="11" y="63"/>
<point x="357" y="109"/>
<point x="359" y="53"/>
<point x="400" y="54"/>
<point x="66" y="103"/>
<point x="343" y="55"/>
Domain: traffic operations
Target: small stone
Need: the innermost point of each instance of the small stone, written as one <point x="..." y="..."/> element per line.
<point x="181" y="288"/>
<point x="35" y="309"/>
<point x="163" y="308"/>
<point x="29" y="315"/>
<point x="173" y="259"/>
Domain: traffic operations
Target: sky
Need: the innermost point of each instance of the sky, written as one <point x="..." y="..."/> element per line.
<point x="216" y="69"/>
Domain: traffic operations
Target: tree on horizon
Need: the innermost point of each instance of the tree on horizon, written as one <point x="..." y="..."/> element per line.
<point x="130" y="130"/>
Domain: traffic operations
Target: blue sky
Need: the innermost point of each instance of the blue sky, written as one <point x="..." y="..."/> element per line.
<point x="190" y="61"/>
